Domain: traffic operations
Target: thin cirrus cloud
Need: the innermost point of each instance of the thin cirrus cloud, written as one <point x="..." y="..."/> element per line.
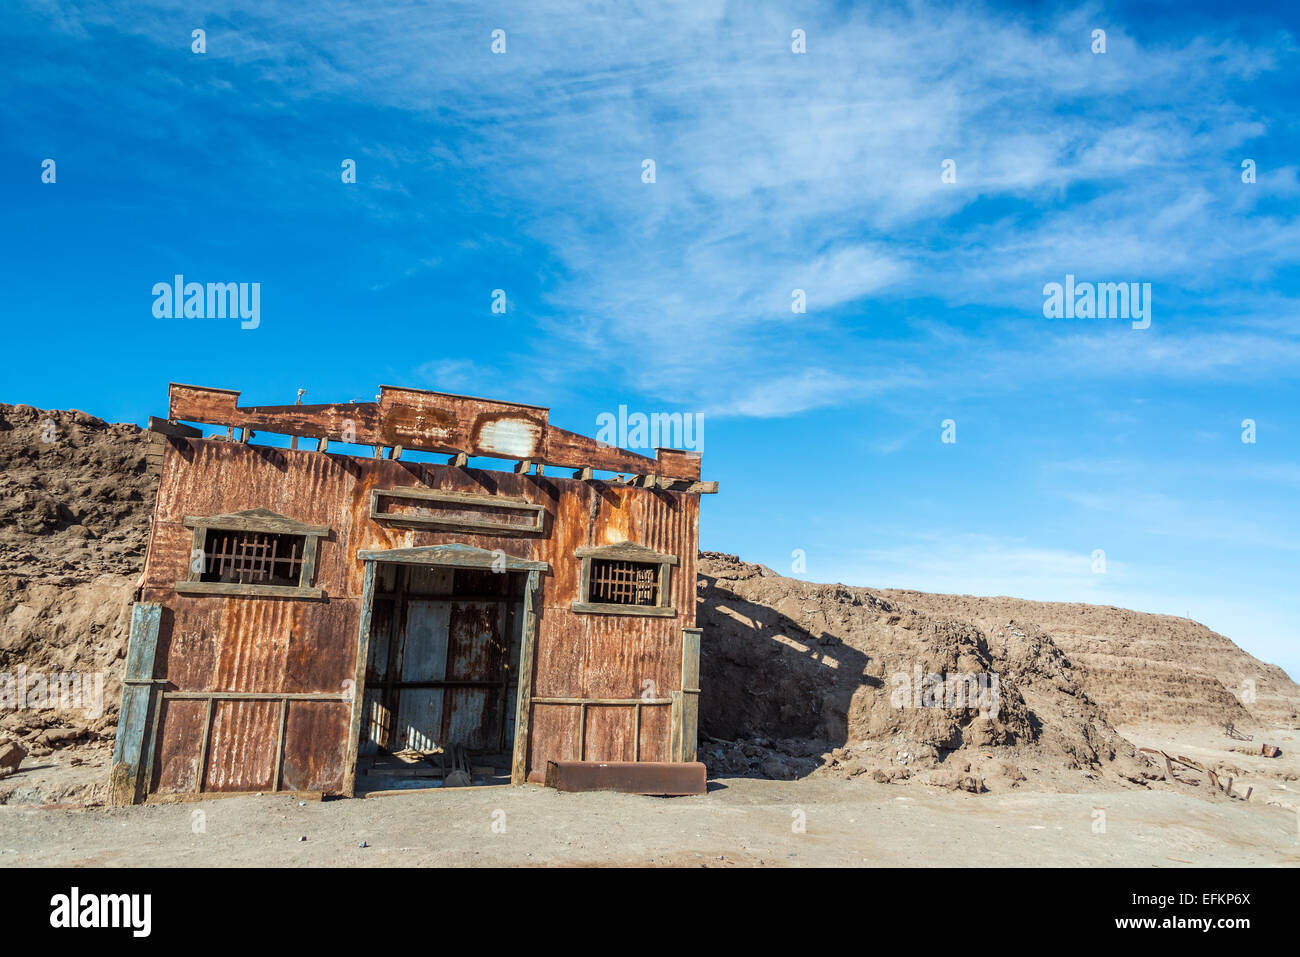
<point x="777" y="171"/>
<point x="982" y="565"/>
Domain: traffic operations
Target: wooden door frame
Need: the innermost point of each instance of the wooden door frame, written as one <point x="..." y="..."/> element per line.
<point x="454" y="555"/>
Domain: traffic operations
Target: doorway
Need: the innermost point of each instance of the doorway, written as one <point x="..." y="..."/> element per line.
<point x="441" y="678"/>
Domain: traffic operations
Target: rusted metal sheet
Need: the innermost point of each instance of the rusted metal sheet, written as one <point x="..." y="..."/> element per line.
<point x="242" y="746"/>
<point x="641" y="777"/>
<point x="476" y="653"/>
<point x="315" y="744"/>
<point x="609" y="732"/>
<point x="176" y="764"/>
<point x="338" y="421"/>
<point x="655" y="733"/>
<point x="423" y="657"/>
<point x="571" y="450"/>
<point x="439" y="421"/>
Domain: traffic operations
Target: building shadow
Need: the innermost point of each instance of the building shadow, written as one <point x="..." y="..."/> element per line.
<point x="773" y="696"/>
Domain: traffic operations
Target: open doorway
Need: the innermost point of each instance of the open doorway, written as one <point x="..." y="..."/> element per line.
<point x="442" y="677"/>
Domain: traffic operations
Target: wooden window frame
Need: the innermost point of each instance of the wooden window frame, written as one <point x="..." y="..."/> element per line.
<point x="626" y="552"/>
<point x="535" y="512"/>
<point x="258" y="521"/>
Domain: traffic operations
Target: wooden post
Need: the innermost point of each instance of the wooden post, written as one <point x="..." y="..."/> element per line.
<point x="359" y="682"/>
<point x="203" y="745"/>
<point x="279" y="744"/>
<point x="523" y="701"/>
<point x="675" y="727"/>
<point x="690" y="692"/>
<point x="582" y="731"/>
<point x="129" y="775"/>
<point x="636" y="732"/>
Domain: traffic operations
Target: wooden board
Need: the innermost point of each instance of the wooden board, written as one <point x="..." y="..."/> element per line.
<point x="431" y="422"/>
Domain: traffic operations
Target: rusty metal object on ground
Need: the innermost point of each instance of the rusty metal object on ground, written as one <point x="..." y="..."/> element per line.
<point x="630" y="777"/>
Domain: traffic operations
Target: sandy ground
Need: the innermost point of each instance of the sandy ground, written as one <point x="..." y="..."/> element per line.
<point x="741" y="822"/>
<point x="1274" y="780"/>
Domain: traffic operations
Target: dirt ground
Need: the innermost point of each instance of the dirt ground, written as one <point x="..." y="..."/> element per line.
<point x="741" y="822"/>
<point x="1271" y="780"/>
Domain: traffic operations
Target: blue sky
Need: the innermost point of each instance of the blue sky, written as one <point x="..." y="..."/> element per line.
<point x="775" y="171"/>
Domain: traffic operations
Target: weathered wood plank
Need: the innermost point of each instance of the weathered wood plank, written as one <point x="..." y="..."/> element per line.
<point x="690" y="693"/>
<point x="245" y="590"/>
<point x="565" y="449"/>
<point x="523" y="703"/>
<point x="356" y="422"/>
<point x="359" y="681"/>
<point x="175" y="429"/>
<point x="441" y="422"/>
<point x="457" y="503"/>
<point x="129" y="776"/>
<point x="644" y="611"/>
<point x="625" y="551"/>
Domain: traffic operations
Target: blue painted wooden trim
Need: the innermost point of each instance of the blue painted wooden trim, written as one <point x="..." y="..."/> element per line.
<point x="130" y="768"/>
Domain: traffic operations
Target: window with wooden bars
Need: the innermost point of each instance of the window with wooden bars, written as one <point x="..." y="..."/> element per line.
<point x="625" y="579"/>
<point x="256" y="553"/>
<point x="623" y="583"/>
<point x="253" y="558"/>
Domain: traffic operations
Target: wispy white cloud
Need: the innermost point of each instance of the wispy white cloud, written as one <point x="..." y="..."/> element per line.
<point x="779" y="171"/>
<point x="978" y="564"/>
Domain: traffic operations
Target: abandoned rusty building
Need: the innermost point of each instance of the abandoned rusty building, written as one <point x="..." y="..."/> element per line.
<point x="313" y="620"/>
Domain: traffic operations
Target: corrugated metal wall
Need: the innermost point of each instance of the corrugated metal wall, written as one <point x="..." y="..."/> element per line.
<point x="219" y="644"/>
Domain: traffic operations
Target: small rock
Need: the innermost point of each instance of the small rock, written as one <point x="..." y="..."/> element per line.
<point x="11" y="755"/>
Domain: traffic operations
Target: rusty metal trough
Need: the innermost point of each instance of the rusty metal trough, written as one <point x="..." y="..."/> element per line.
<point x="660" y="778"/>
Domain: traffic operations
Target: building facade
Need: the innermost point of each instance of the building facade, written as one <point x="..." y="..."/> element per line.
<point x="303" y="611"/>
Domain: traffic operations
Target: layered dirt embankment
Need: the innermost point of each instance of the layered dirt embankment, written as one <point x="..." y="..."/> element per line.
<point x="1142" y="668"/>
<point x="801" y="677"/>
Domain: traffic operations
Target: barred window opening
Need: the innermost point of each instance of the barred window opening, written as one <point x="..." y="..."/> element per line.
<point x="624" y="583"/>
<point x="253" y="558"/>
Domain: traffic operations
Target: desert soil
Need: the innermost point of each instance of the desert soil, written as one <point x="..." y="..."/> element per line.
<point x="741" y="822"/>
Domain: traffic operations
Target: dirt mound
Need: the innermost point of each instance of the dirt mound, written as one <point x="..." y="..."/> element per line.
<point x="1142" y="668"/>
<point x="800" y="675"/>
<point x="75" y="497"/>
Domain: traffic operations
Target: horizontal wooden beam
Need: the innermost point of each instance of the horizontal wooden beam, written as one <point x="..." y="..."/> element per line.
<point x="234" y="589"/>
<point x="641" y="611"/>
<point x="174" y="429"/>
